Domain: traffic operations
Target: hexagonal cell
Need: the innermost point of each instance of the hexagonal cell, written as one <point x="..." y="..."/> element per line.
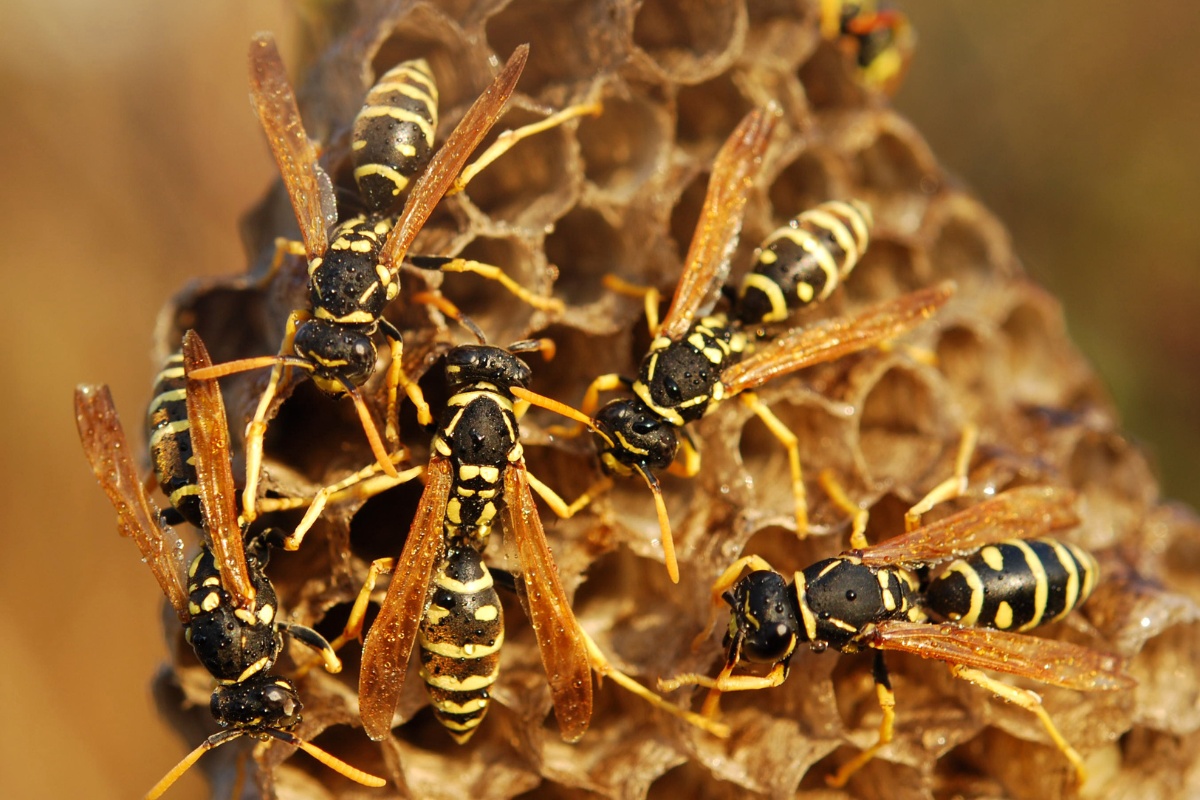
<point x="898" y="161"/>
<point x="899" y="427"/>
<point x="1035" y="366"/>
<point x="585" y="247"/>
<point x="708" y="112"/>
<point x="534" y="182"/>
<point x="782" y="33"/>
<point x="690" y="40"/>
<point x="966" y="242"/>
<point x="569" y="43"/>
<point x="808" y="179"/>
<point x="625" y="145"/>
<point x="888" y="269"/>
<point x="968" y="362"/>
<point x="460" y="70"/>
<point x="829" y="79"/>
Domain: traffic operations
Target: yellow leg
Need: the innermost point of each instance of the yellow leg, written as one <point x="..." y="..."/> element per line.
<point x="1030" y="702"/>
<point x="256" y="431"/>
<point x="792" y="444"/>
<point x="443" y="304"/>
<point x="687" y="460"/>
<point x="950" y="488"/>
<point x="591" y="403"/>
<point x="858" y="515"/>
<point x="358" y="614"/>
<point x="651" y="298"/>
<point x="604" y="668"/>
<point x="561" y="507"/>
<point x="887" y="727"/>
<point x="397" y="377"/>
<point x="506" y="140"/>
<point x="315" y="641"/>
<point x="491" y="272"/>
<point x="283" y="248"/>
<point x="726" y="681"/>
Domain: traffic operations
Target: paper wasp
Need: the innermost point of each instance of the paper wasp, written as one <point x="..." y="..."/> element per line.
<point x="442" y="592"/>
<point x="229" y="608"/>
<point x="1004" y="577"/>
<point x="693" y="364"/>
<point x="881" y="41"/>
<point x="354" y="270"/>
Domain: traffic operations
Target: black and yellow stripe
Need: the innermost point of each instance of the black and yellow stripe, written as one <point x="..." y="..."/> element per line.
<point x="680" y="381"/>
<point x="804" y="261"/>
<point x="394" y="132"/>
<point x="170" y="437"/>
<point x="461" y="634"/>
<point x="1014" y="585"/>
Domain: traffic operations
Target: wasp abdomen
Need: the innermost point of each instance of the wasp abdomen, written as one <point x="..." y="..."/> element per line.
<point x="1014" y="585"/>
<point x="170" y="438"/>
<point x="461" y="634"/>
<point x="393" y="133"/>
<point x="804" y="261"/>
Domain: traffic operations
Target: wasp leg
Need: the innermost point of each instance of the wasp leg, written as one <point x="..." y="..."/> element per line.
<point x="687" y="460"/>
<point x="313" y="640"/>
<point x="561" y="507"/>
<point x="858" y="515"/>
<point x="283" y="248"/>
<point x="1030" y="702"/>
<point x="491" y="272"/>
<point x="792" y="444"/>
<point x="723" y="584"/>
<point x="887" y="726"/>
<point x="256" y="431"/>
<point x="651" y="298"/>
<point x="506" y="140"/>
<point x="358" y="614"/>
<point x="397" y="377"/>
<point x="443" y="304"/>
<point x="954" y="486"/>
<point x="604" y="668"/>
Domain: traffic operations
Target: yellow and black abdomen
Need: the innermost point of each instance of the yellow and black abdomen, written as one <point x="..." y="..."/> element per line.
<point x="170" y="438"/>
<point x="460" y="636"/>
<point x="804" y="261"/>
<point x="1014" y="585"/>
<point x="393" y="133"/>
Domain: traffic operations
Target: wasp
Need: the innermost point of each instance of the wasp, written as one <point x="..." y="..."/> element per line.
<point x="353" y="271"/>
<point x="1004" y="576"/>
<point x="694" y="364"/>
<point x="442" y="593"/>
<point x="226" y="603"/>
<point x="881" y="41"/>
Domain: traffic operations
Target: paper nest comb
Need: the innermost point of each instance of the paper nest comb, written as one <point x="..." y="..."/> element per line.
<point x="620" y="194"/>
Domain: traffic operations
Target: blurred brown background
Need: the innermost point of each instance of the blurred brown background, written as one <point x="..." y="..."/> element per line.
<point x="129" y="151"/>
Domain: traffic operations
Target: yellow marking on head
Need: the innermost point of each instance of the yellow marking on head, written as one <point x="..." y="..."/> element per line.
<point x="993" y="558"/>
<point x="1004" y="616"/>
<point x="487" y="613"/>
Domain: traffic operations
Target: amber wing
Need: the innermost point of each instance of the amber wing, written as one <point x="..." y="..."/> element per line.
<point x="831" y="339"/>
<point x="295" y="155"/>
<point x="1043" y="660"/>
<point x="107" y="450"/>
<point x="559" y="637"/>
<point x="214" y="473"/>
<point x="707" y="264"/>
<point x="390" y="641"/>
<point x="1023" y="513"/>
<point x="448" y="161"/>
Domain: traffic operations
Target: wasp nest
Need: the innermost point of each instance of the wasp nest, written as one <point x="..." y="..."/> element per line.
<point x="620" y="194"/>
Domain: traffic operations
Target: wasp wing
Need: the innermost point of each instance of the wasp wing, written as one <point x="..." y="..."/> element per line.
<point x="1043" y="660"/>
<point x="107" y="450"/>
<point x="214" y="473"/>
<point x="448" y="161"/>
<point x="560" y="639"/>
<point x="307" y="185"/>
<point x="707" y="264"/>
<point x="390" y="640"/>
<point x="831" y="339"/>
<point x="1023" y="513"/>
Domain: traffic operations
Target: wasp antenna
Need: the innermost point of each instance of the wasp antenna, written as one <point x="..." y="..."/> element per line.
<point x="216" y="740"/>
<point x="364" y="415"/>
<point x="328" y="759"/>
<point x="664" y="524"/>
<point x="247" y="364"/>
<point x="541" y="401"/>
